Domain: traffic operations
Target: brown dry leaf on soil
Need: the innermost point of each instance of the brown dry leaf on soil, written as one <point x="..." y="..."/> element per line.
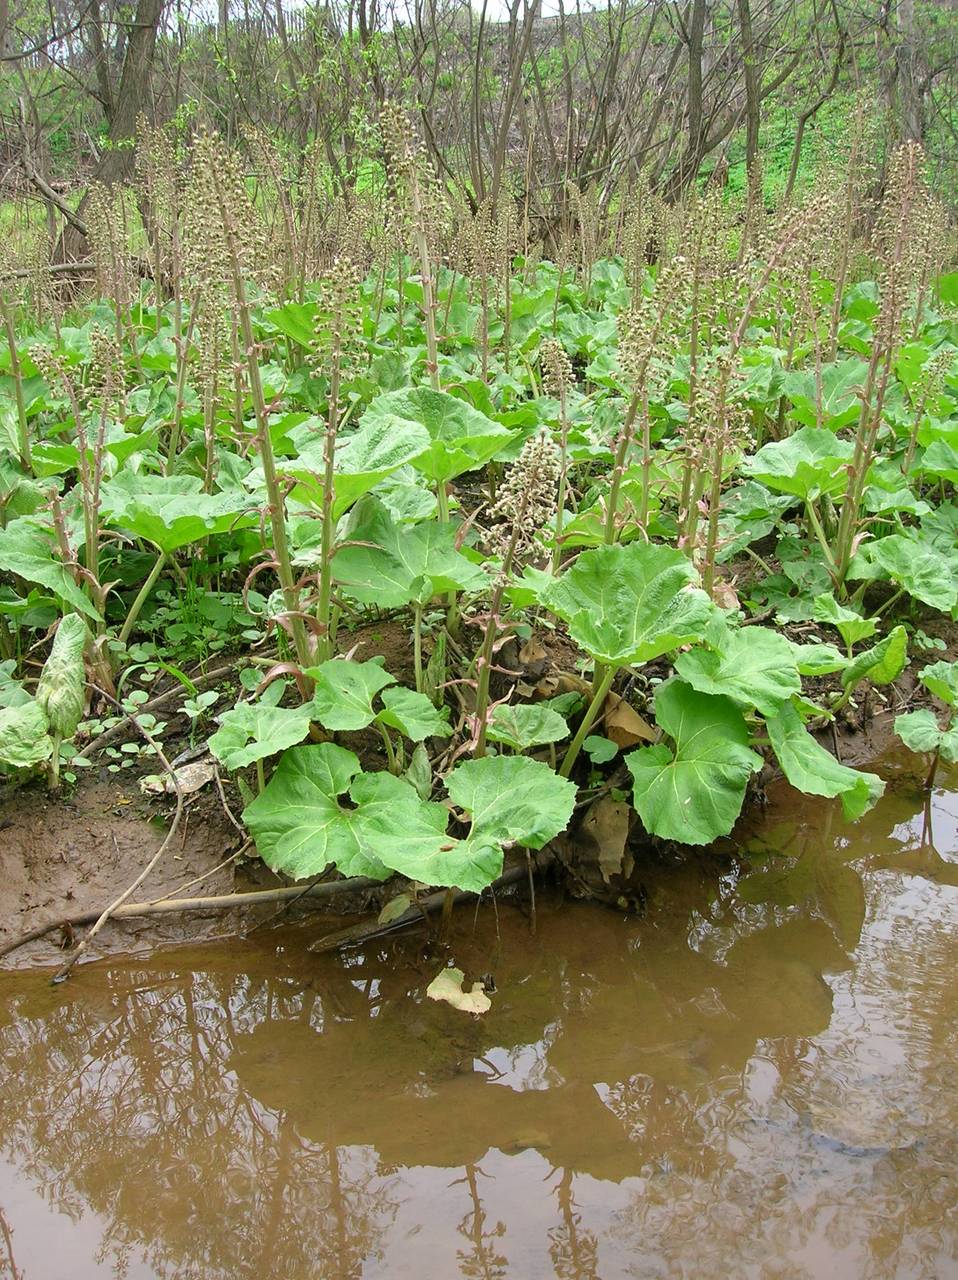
<point x="603" y="834"/>
<point x="623" y="724"/>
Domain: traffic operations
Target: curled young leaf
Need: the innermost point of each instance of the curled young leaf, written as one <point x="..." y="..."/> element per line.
<point x="61" y="684"/>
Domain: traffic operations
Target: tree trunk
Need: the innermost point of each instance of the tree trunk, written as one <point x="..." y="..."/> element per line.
<point x="753" y="82"/>
<point x="132" y="99"/>
<point x="908" y="58"/>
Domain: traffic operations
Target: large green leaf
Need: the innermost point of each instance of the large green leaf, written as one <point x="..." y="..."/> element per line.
<point x="413" y="714"/>
<point x="841" y="386"/>
<point x="512" y="799"/>
<point x="752" y="666"/>
<point x="60" y="689"/>
<point x="806" y="464"/>
<point x="812" y="769"/>
<point x="851" y="626"/>
<point x="301" y="826"/>
<point x="629" y="604"/>
<point x="940" y="459"/>
<point x="171" y="511"/>
<point x="818" y="659"/>
<point x="27" y="549"/>
<point x="253" y="731"/>
<point x="24" y="740"/>
<point x="297" y="320"/>
<point x="919" y="730"/>
<point x="914" y="564"/>
<point x="694" y="793"/>
<point x="377" y="449"/>
<point x="401" y="563"/>
<point x="526" y="725"/>
<point x="343" y="698"/>
<point x="460" y="438"/>
<point x="880" y="664"/>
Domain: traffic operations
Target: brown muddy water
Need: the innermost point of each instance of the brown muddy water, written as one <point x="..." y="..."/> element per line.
<point x="757" y="1078"/>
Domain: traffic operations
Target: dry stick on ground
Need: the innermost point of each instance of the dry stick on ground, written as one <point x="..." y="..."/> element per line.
<point x="215" y="902"/>
<point x="111" y="735"/>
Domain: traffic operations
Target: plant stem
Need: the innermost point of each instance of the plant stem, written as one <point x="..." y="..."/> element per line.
<point x="601" y="684"/>
<point x="141" y="598"/>
<point x="417" y="645"/>
<point x="390" y="753"/>
<point x="276" y="501"/>
<point x="626" y="436"/>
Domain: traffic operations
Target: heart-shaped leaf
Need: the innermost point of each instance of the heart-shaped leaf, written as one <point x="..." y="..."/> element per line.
<point x="941" y="679"/>
<point x="526" y="725"/>
<point x="812" y="769"/>
<point x="806" y="464"/>
<point x="880" y="664"/>
<point x="629" y="604"/>
<point x="171" y="511"/>
<point x="694" y="793"/>
<point x="752" y="666"/>
<point x="839" y="403"/>
<point x="851" y="626"/>
<point x="412" y="714"/>
<point x="343" y="698"/>
<point x="26" y="549"/>
<point x="301" y="827"/>
<point x="512" y="799"/>
<point x="919" y="730"/>
<point x="914" y="564"/>
<point x="363" y="459"/>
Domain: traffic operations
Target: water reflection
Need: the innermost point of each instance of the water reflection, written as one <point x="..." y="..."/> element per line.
<point x="751" y="1080"/>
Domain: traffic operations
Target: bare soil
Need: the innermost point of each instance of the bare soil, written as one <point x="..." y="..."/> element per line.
<point x="77" y="852"/>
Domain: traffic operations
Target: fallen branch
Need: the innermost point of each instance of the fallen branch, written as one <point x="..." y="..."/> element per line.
<point x="51" y="268"/>
<point x="117" y="731"/>
<point x="356" y="935"/>
<point x="213" y="902"/>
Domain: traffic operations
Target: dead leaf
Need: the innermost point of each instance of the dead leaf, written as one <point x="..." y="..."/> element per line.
<point x="724" y="594"/>
<point x="623" y="724"/>
<point x="563" y="682"/>
<point x="190" y="778"/>
<point x="395" y="908"/>
<point x="606" y="823"/>
<point x="448" y="986"/>
<point x="533" y="651"/>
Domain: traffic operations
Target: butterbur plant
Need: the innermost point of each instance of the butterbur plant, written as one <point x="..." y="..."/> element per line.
<point x="33" y="730"/>
<point x="525" y="505"/>
<point x="922" y="732"/>
<point x="557" y="380"/>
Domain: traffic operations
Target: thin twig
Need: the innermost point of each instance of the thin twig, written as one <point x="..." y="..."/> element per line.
<point x="63" y="972"/>
<point x="214" y="902"/>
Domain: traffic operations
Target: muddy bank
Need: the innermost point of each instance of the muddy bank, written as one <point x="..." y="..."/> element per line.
<point x="76" y="853"/>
